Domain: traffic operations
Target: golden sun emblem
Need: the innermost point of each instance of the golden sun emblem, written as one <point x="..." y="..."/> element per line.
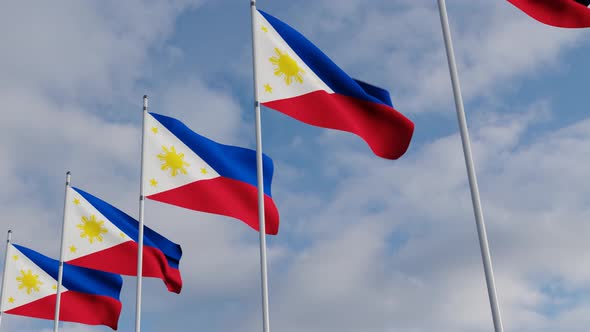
<point x="91" y="229"/>
<point x="173" y="161"/>
<point x="29" y="281"/>
<point x="286" y="66"/>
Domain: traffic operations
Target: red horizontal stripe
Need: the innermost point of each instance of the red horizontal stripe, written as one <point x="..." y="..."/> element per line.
<point x="75" y="307"/>
<point x="387" y="131"/>
<point x="122" y="259"/>
<point x="224" y="196"/>
<point x="559" y="13"/>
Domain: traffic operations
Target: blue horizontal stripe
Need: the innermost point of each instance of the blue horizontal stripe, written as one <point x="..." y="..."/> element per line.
<point x="229" y="161"/>
<point x="78" y="279"/>
<point x="130" y="226"/>
<point x="327" y="71"/>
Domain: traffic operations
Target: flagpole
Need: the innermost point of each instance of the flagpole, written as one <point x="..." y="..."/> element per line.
<point x="477" y="209"/>
<point x="2" y="290"/>
<point x="141" y="214"/>
<point x="261" y="223"/>
<point x="61" y="255"/>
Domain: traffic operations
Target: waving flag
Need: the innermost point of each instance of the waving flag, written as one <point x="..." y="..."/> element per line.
<point x="102" y="237"/>
<point x="559" y="13"/>
<point x="87" y="296"/>
<point x="297" y="79"/>
<point x="186" y="169"/>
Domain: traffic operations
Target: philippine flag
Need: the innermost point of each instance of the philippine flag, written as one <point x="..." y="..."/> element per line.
<point x="186" y="169"/>
<point x="559" y="13"/>
<point x="99" y="236"/>
<point x="297" y="79"/>
<point x="87" y="296"/>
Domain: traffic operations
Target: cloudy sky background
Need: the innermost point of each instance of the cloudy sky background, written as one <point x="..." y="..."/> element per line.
<point x="365" y="244"/>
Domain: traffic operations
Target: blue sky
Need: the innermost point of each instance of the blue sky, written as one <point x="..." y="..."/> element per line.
<point x="365" y="243"/>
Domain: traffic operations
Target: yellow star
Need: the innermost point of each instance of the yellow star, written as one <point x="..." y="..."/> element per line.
<point x="15" y="257"/>
<point x="263" y="28"/>
<point x="267" y="88"/>
<point x="54" y="287"/>
<point x="76" y="201"/>
<point x="155" y="130"/>
<point x="203" y="170"/>
<point x="153" y="182"/>
<point x="122" y="234"/>
<point x="11" y="299"/>
<point x="73" y="249"/>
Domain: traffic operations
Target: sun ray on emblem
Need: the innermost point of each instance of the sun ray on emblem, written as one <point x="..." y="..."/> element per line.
<point x="92" y="229"/>
<point x="173" y="161"/>
<point x="286" y="67"/>
<point x="29" y="281"/>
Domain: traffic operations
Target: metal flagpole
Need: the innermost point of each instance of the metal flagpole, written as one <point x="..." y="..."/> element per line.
<point x="261" y="223"/>
<point x="141" y="209"/>
<point x="2" y="290"/>
<point x="477" y="210"/>
<point x="61" y="255"/>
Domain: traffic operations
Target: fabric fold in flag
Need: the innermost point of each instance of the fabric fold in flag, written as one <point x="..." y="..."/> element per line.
<point x="558" y="13"/>
<point x="102" y="237"/>
<point x="186" y="169"/>
<point x="87" y="296"/>
<point x="297" y="79"/>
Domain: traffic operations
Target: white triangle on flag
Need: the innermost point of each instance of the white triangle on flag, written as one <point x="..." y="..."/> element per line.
<point x="277" y="63"/>
<point x="169" y="163"/>
<point x="86" y="229"/>
<point x="25" y="281"/>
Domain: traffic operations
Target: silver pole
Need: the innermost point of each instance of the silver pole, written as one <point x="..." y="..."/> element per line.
<point x="61" y="255"/>
<point x="477" y="210"/>
<point x="262" y="228"/>
<point x="141" y="209"/>
<point x="2" y="290"/>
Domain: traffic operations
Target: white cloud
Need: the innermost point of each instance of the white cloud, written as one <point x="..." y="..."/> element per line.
<point x="365" y="244"/>
<point x="397" y="248"/>
<point x="82" y="51"/>
<point x="399" y="46"/>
